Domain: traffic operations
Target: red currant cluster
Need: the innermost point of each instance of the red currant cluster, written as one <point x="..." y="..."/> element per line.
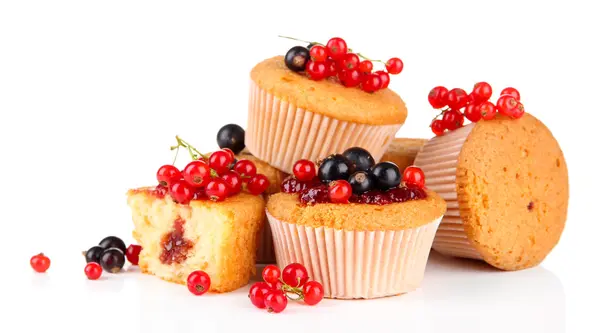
<point x="474" y="106"/>
<point x="335" y="59"/>
<point x="279" y="286"/>
<point x="213" y="177"/>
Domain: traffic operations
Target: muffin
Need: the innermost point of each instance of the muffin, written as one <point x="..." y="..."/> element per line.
<point x="292" y="117"/>
<point x="402" y="151"/>
<point x="506" y="185"/>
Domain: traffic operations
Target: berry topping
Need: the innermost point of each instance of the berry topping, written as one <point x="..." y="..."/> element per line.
<point x="318" y="53"/>
<point x="293" y="185"/>
<point x="257" y="294"/>
<point x="453" y="119"/>
<point x="294" y="275"/>
<point x="361" y="182"/>
<point x="512" y="92"/>
<point x="366" y="66"/>
<point x="438" y="127"/>
<point x="360" y="159"/>
<point x="438" y="97"/>
<point x="275" y="301"/>
<point x="384" y="77"/>
<point x="473" y="113"/>
<point x="507" y="104"/>
<point x="487" y="110"/>
<point x="482" y="91"/>
<point x="231" y="136"/>
<point x="414" y="176"/>
<point x="339" y="191"/>
<point x="402" y="194"/>
<point x="217" y="189"/>
<point x="350" y="77"/>
<point x="245" y="168"/>
<point x="304" y="170"/>
<point x="297" y="58"/>
<point x="371" y="83"/>
<point x="112" y="260"/>
<point x="271" y="274"/>
<point x="374" y="198"/>
<point x="336" y="48"/>
<point x="313" y="195"/>
<point x="167" y="174"/>
<point x="198" y="283"/>
<point x="330" y="68"/>
<point x="93" y="271"/>
<point x="233" y="181"/>
<point x="519" y="111"/>
<point x="457" y="98"/>
<point x="394" y="66"/>
<point x="181" y="192"/>
<point x="133" y="254"/>
<point x="220" y="161"/>
<point x="349" y="61"/>
<point x="196" y="173"/>
<point x="387" y="175"/>
<point x="93" y="254"/>
<point x="313" y="292"/>
<point x="334" y="167"/>
<point x="316" y="70"/>
<point x="40" y="263"/>
<point x="258" y="184"/>
<point x="113" y="241"/>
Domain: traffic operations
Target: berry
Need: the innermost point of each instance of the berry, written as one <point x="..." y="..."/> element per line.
<point x="40" y="263"/>
<point x="471" y="99"/>
<point x="318" y="53"/>
<point x="371" y="83"/>
<point x="233" y="181"/>
<point x="360" y="159"/>
<point x="312" y="195"/>
<point x="167" y="174"/>
<point x="457" y="98"/>
<point x="473" y="112"/>
<point x="294" y="275"/>
<point x="385" y="79"/>
<point x="231" y="136"/>
<point x="113" y="241"/>
<point x="271" y="274"/>
<point x="217" y="189"/>
<point x="245" y="168"/>
<point x="296" y="58"/>
<point x="365" y="66"/>
<point x="414" y="176"/>
<point x="387" y="175"/>
<point x="402" y="194"/>
<point x="275" y="301"/>
<point x="330" y="68"/>
<point x="293" y="185"/>
<point x="487" y="110"/>
<point x="334" y="167"/>
<point x="93" y="271"/>
<point x="512" y="92"/>
<point x="220" y="161"/>
<point x="133" y="254"/>
<point x="438" y="97"/>
<point x="361" y="182"/>
<point x="112" y="260"/>
<point x="258" y="184"/>
<point x="507" y="104"/>
<point x="394" y="66"/>
<point x="340" y="191"/>
<point x="482" y="91"/>
<point x="230" y="152"/>
<point x="316" y="70"/>
<point x="257" y="294"/>
<point x="519" y="111"/>
<point x="349" y="61"/>
<point x="438" y="127"/>
<point x="276" y="286"/>
<point x="375" y="198"/>
<point x="453" y="119"/>
<point x="336" y="48"/>
<point x="198" y="282"/>
<point x="93" y="254"/>
<point x="304" y="170"/>
<point x="350" y="77"/>
<point x="181" y="192"/>
<point x="197" y="173"/>
<point x="313" y="292"/>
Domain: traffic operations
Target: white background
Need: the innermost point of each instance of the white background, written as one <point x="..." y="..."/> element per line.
<point x="92" y="94"/>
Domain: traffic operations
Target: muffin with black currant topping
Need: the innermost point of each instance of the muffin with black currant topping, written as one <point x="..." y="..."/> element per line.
<point x="360" y="228"/>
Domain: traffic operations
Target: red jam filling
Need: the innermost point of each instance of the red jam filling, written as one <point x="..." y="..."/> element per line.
<point x="293" y="185"/>
<point x="174" y="246"/>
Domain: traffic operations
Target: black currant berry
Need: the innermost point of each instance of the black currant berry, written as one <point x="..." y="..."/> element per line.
<point x="113" y="241"/>
<point x="361" y="182"/>
<point x="93" y="254"/>
<point x="334" y="167"/>
<point x="387" y="175"/>
<point x="231" y="136"/>
<point x="360" y="157"/>
<point x="112" y="260"/>
<point x="296" y="58"/>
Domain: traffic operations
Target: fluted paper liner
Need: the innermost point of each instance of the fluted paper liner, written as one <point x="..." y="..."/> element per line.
<point x="438" y="159"/>
<point x="280" y="133"/>
<point x="356" y="264"/>
<point x="265" y="253"/>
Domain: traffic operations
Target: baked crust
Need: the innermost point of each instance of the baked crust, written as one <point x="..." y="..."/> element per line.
<point x="402" y="151"/>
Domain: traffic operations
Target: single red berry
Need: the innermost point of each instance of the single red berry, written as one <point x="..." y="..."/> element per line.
<point x="365" y="66"/>
<point x="482" y="91"/>
<point x="257" y="294"/>
<point x="453" y="119"/>
<point x="414" y="176"/>
<point x="340" y="191"/>
<point x="313" y="292"/>
<point x="385" y="78"/>
<point x="371" y="83"/>
<point x="438" y="97"/>
<point x="93" y="270"/>
<point x="133" y="253"/>
<point x="519" y="111"/>
<point x="512" y="92"/>
<point x="457" y="98"/>
<point x="394" y="66"/>
<point x="318" y="53"/>
<point x="304" y="170"/>
<point x="220" y="161"/>
<point x="473" y="112"/>
<point x="487" y="110"/>
<point x="507" y="104"/>
<point x="196" y="173"/>
<point x="245" y="168"/>
<point x="258" y="184"/>
<point x="330" y="68"/>
<point x="275" y="301"/>
<point x="336" y="48"/>
<point x="40" y="263"/>
<point x="316" y="70"/>
<point x="233" y="181"/>
<point x="217" y="189"/>
<point x="231" y="153"/>
<point x="438" y="127"/>
<point x="167" y="174"/>
<point x="181" y="192"/>
<point x="271" y="274"/>
<point x="350" y="77"/>
<point x="294" y="275"/>
<point x="198" y="282"/>
<point x="349" y="61"/>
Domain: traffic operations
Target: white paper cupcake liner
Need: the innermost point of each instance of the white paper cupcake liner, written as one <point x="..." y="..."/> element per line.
<point x="280" y="133"/>
<point x="265" y="252"/>
<point x="356" y="264"/>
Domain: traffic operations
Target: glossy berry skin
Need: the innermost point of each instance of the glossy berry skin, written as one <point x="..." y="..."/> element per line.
<point x="336" y="48"/>
<point x="313" y="195"/>
<point x="257" y="294"/>
<point x="387" y="175"/>
<point x="365" y="66"/>
<point x="133" y="254"/>
<point x="361" y="182"/>
<point x="112" y="260"/>
<point x="519" y="111"/>
<point x="350" y="77"/>
<point x="258" y="184"/>
<point x="93" y="271"/>
<point x="457" y="98"/>
<point x="385" y="79"/>
<point x="294" y="275"/>
<point x="217" y="189"/>
<point x="245" y="168"/>
<point x="316" y="70"/>
<point x="40" y="263"/>
<point x="296" y="58"/>
<point x="198" y="282"/>
<point x="330" y="68"/>
<point x="113" y="241"/>
<point x="304" y="170"/>
<point x="512" y="92"/>
<point x="334" y="167"/>
<point x="487" y="110"/>
<point x="231" y="153"/>
<point x="438" y="97"/>
<point x="394" y="66"/>
<point x="507" y="104"/>
<point x="167" y="174"/>
<point x="482" y="91"/>
<point x="349" y="61"/>
<point x="231" y="136"/>
<point x="93" y="254"/>
<point x="313" y="292"/>
<point x="360" y="158"/>
<point x="220" y="161"/>
<point x="340" y="191"/>
<point x="371" y="83"/>
<point x="318" y="53"/>
<point x="438" y="127"/>
<point x="196" y="173"/>
<point x="275" y="301"/>
<point x="473" y="112"/>
<point x="413" y="176"/>
<point x="453" y="119"/>
<point x="181" y="192"/>
<point x="276" y="286"/>
<point x="271" y="274"/>
<point x="233" y="181"/>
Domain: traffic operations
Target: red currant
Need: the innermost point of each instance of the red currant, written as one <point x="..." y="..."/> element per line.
<point x="316" y="70"/>
<point x="371" y="83"/>
<point x="167" y="174"/>
<point x="470" y="99"/>
<point x="340" y="191"/>
<point x="414" y="176"/>
<point x="275" y="301"/>
<point x="198" y="283"/>
<point x="438" y="127"/>
<point x="336" y="48"/>
<point x="512" y="92"/>
<point x="507" y="104"/>
<point x="133" y="253"/>
<point x="453" y="119"/>
<point x="258" y="184"/>
<point x="350" y="77"/>
<point x="330" y="68"/>
<point x="294" y="275"/>
<point x="40" y="263"/>
<point x="438" y="97"/>
<point x="245" y="168"/>
<point x="231" y="153"/>
<point x="318" y="53"/>
<point x="394" y="66"/>
<point x="233" y="181"/>
<point x="276" y="286"/>
<point x="93" y="270"/>
<point x="304" y="170"/>
<point x="349" y="61"/>
<point x="473" y="112"/>
<point x="271" y="274"/>
<point x="482" y="91"/>
<point x="519" y="111"/>
<point x="385" y="79"/>
<point x="181" y="192"/>
<point x="196" y="173"/>
<point x="457" y="98"/>
<point x="220" y="161"/>
<point x="217" y="189"/>
<point x="257" y="294"/>
<point x="313" y="292"/>
<point x="365" y="66"/>
<point x="487" y="110"/>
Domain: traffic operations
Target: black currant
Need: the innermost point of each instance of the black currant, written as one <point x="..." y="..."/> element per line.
<point x="113" y="241"/>
<point x="387" y="175"/>
<point x="361" y="182"/>
<point x="93" y="254"/>
<point x="231" y="136"/>
<point x="360" y="157"/>
<point x="112" y="260"/>
<point x="334" y="167"/>
<point x="296" y="58"/>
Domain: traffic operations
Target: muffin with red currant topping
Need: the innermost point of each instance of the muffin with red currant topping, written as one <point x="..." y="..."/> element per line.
<point x="297" y="111"/>
<point x="403" y="151"/>
<point x="358" y="227"/>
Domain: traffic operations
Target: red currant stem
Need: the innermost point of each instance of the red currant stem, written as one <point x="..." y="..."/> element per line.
<point x="213" y="173"/>
<point x="194" y="153"/>
<point x="299" y="40"/>
<point x="176" y="154"/>
<point x="366" y="58"/>
<point x="291" y="290"/>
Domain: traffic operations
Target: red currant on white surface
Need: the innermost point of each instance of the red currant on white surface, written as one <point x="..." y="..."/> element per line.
<point x="198" y="283"/>
<point x="40" y="263"/>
